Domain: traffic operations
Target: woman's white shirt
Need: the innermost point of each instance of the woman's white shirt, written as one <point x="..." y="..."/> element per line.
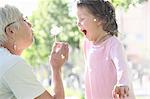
<point x="17" y="80"/>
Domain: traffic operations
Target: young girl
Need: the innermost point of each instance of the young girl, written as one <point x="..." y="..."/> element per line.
<point x="106" y="69"/>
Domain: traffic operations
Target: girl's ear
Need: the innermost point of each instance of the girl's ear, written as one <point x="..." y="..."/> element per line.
<point x="99" y="22"/>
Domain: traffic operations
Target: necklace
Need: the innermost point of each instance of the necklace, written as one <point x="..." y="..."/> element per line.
<point x="101" y="39"/>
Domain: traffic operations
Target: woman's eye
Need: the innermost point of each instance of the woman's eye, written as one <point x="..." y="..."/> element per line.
<point x="25" y="19"/>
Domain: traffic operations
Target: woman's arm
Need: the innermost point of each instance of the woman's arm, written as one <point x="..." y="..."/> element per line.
<point x="58" y="57"/>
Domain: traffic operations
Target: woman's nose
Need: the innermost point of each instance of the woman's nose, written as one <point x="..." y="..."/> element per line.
<point x="29" y="24"/>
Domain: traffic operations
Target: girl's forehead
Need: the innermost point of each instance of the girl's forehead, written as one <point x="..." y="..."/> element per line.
<point x="83" y="11"/>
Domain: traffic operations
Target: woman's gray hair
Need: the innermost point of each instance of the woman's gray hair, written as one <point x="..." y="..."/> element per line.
<point x="8" y="14"/>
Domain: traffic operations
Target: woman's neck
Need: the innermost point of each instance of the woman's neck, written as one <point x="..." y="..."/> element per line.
<point x="11" y="49"/>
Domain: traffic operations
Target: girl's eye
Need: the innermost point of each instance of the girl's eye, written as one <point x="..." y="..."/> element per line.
<point x="81" y="19"/>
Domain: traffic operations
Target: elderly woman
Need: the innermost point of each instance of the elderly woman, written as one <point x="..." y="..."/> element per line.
<point x="16" y="78"/>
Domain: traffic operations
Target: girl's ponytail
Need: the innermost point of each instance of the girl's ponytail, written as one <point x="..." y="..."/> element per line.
<point x="110" y="24"/>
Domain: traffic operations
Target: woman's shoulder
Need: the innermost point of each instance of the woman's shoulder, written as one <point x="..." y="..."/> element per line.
<point x="8" y="60"/>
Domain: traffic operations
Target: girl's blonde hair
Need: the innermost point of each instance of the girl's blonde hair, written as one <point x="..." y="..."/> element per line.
<point x="8" y="14"/>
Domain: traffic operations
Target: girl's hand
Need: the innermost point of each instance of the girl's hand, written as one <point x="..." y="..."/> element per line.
<point x="59" y="55"/>
<point x="120" y="92"/>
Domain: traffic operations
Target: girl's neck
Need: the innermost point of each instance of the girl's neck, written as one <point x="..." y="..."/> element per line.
<point x="102" y="38"/>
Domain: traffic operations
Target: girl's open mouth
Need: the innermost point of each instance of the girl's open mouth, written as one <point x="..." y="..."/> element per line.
<point x="84" y="31"/>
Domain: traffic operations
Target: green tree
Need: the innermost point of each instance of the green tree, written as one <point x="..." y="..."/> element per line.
<point x="51" y="12"/>
<point x="126" y="3"/>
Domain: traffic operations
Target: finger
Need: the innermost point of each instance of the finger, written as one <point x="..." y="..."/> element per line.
<point x="66" y="51"/>
<point x="122" y="91"/>
<point x="126" y="91"/>
<point x="116" y="92"/>
<point x="54" y="47"/>
<point x="114" y="95"/>
<point x="59" y="47"/>
<point x="63" y="50"/>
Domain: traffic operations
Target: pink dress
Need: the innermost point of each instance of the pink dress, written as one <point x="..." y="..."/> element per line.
<point x="105" y="67"/>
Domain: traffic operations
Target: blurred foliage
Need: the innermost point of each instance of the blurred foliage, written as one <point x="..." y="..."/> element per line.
<point x="51" y="12"/>
<point x="56" y="12"/>
<point x="126" y="3"/>
<point x="76" y="93"/>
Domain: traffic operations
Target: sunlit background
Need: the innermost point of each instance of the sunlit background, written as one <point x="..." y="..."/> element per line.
<point x="26" y="6"/>
<point x="134" y="28"/>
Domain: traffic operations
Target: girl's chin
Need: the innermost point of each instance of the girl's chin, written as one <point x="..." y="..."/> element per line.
<point x="88" y="38"/>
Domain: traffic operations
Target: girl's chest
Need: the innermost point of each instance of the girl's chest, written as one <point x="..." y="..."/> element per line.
<point x="98" y="57"/>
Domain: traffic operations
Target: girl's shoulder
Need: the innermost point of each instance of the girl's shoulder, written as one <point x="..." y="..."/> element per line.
<point x="114" y="41"/>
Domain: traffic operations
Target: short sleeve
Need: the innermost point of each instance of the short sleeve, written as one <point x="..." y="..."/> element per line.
<point x="22" y="81"/>
<point x="117" y="55"/>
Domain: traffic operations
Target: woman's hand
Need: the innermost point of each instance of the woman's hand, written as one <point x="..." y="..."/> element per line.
<point x="120" y="92"/>
<point x="59" y="55"/>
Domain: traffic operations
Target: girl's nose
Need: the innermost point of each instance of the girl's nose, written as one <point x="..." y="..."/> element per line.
<point x="78" y="23"/>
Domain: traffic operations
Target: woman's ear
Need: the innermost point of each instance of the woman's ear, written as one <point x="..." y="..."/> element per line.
<point x="10" y="31"/>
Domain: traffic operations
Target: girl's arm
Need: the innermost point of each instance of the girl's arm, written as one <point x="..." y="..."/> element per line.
<point x="118" y="57"/>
